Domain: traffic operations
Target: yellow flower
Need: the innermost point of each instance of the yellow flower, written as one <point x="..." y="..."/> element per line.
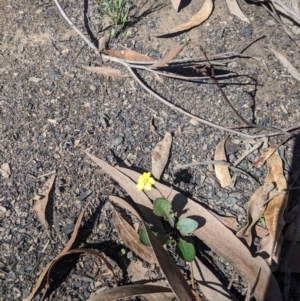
<point x="145" y="181"/>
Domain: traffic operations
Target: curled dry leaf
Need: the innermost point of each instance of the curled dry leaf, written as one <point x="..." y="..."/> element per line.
<point x="132" y="239"/>
<point x="290" y="68"/>
<point x="127" y="291"/>
<point x="176" y="4"/>
<point x="169" y="268"/>
<point x="169" y="56"/>
<point x="128" y="55"/>
<point x="220" y="239"/>
<point x="194" y="21"/>
<point x="235" y="10"/>
<point x="222" y="172"/>
<point x="267" y="153"/>
<point x="39" y="205"/>
<point x="107" y="71"/>
<point x="256" y="209"/>
<point x="64" y="251"/>
<point x="210" y="285"/>
<point x="160" y="155"/>
<point x="275" y="208"/>
<point x="139" y="197"/>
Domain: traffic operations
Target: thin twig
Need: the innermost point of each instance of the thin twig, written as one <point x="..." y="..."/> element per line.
<point x="247" y="153"/>
<point x="291" y="13"/>
<point x="219" y="87"/>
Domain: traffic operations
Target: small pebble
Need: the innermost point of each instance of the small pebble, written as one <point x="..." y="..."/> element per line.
<point x="55" y="74"/>
<point x="230" y="202"/>
<point x="92" y="87"/>
<point x="118" y="140"/>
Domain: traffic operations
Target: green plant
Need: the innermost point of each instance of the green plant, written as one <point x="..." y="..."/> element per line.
<point x="184" y="226"/>
<point x="117" y="11"/>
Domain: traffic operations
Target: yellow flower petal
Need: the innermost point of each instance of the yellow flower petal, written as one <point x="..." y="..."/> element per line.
<point x="151" y="181"/>
<point x="146" y="175"/>
<point x="141" y="179"/>
<point x="148" y="186"/>
<point x="140" y="186"/>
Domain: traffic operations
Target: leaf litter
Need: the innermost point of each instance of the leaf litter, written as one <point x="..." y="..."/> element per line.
<point x="229" y="247"/>
<point x="40" y="204"/>
<point x="160" y="155"/>
<point x="222" y="172"/>
<point x="194" y="21"/>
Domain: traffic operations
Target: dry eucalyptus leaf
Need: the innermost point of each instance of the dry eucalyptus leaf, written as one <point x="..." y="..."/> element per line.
<point x="5" y="170"/>
<point x="169" y="56"/>
<point x="160" y="155"/>
<point x="275" y="208"/>
<point x="194" y="21"/>
<point x="139" y="197"/>
<point x="128" y="55"/>
<point x="211" y="286"/>
<point x="107" y="71"/>
<point x="122" y="203"/>
<point x="222" y="172"/>
<point x="64" y="251"/>
<point x="290" y="68"/>
<point x="255" y="211"/>
<point x="235" y="10"/>
<point x="171" y="271"/>
<point x="220" y="239"/>
<point x="267" y="153"/>
<point x="176" y="4"/>
<point x="39" y="206"/>
<point x="127" y="291"/>
<point x="132" y="239"/>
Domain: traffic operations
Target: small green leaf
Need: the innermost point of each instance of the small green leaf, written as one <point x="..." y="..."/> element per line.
<point x="186" y="226"/>
<point x="186" y="250"/>
<point x="162" y="238"/>
<point x="144" y="239"/>
<point x="162" y="207"/>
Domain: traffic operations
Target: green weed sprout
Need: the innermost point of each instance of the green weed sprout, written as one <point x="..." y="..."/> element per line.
<point x="117" y="11"/>
<point x="185" y="226"/>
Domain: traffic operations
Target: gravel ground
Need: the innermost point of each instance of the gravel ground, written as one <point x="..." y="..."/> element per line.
<point x="51" y="108"/>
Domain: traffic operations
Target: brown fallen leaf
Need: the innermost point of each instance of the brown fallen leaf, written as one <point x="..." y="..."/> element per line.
<point x="210" y="285"/>
<point x="107" y="71"/>
<point x="127" y="291"/>
<point x="160" y="155"/>
<point x="235" y="10"/>
<point x="102" y="42"/>
<point x="64" y="251"/>
<point x="131" y="238"/>
<point x="128" y="55"/>
<point x="139" y="197"/>
<point x="122" y="203"/>
<point x="74" y="251"/>
<point x="176" y="4"/>
<point x="255" y="211"/>
<point x="136" y="271"/>
<point x="267" y="153"/>
<point x="194" y="21"/>
<point x="39" y="206"/>
<point x="290" y="68"/>
<point x="171" y="271"/>
<point x="220" y="239"/>
<point x="222" y="172"/>
<point x="169" y="56"/>
<point x="275" y="208"/>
